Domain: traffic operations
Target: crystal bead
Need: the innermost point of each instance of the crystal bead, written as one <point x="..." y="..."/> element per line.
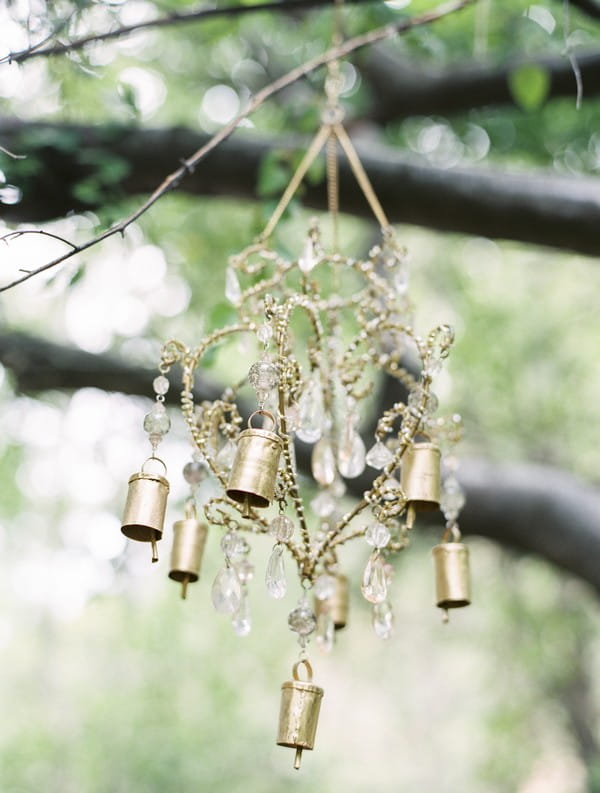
<point x="263" y="376"/>
<point x="324" y="587"/>
<point x="302" y="619"/>
<point x="195" y="472"/>
<point x="234" y="546"/>
<point x="401" y="276"/>
<point x="264" y="333"/>
<point x="157" y="422"/>
<point x="242" y="619"/>
<point x="377" y="535"/>
<point x="417" y="398"/>
<point x="275" y="576"/>
<point x="226" y="455"/>
<point x="324" y="636"/>
<point x="308" y="259"/>
<point x="226" y="592"/>
<point x="281" y="527"/>
<point x="453" y="498"/>
<point x="310" y="412"/>
<point x="160" y="385"/>
<point x="323" y="505"/>
<point x="374" y="584"/>
<point x="379" y="456"/>
<point x="433" y="366"/>
<point x="323" y="462"/>
<point x="351" y="454"/>
<point x="390" y="489"/>
<point x="383" y="620"/>
<point x="245" y="571"/>
<point x="233" y="290"/>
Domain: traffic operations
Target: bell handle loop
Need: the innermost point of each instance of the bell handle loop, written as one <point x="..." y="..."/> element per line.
<point x="307" y="665"/>
<point x="261" y="412"/>
<point x="452" y="532"/>
<point x="154" y="458"/>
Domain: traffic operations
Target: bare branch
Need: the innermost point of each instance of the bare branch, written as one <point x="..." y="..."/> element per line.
<point x="12" y="154"/>
<point x="174" y="179"/>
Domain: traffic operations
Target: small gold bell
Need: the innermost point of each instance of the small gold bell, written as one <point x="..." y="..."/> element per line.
<point x="452" y="583"/>
<point x="336" y="605"/>
<point x="189" y="538"/>
<point x="144" y="515"/>
<point x="299" y="712"/>
<point x="420" y="478"/>
<point x="254" y="470"/>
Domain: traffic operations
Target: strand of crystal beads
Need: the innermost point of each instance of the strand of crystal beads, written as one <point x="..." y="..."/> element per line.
<point x="351" y="457"/>
<point x="282" y="528"/>
<point x="226" y="592"/>
<point x="453" y="496"/>
<point x="302" y="620"/>
<point x="157" y="422"/>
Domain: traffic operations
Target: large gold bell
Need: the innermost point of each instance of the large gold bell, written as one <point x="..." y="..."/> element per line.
<point x="452" y="584"/>
<point x="420" y="478"/>
<point x="189" y="538"/>
<point x="144" y="515"/>
<point x="336" y="605"/>
<point x="299" y="712"/>
<point x="254" y="470"/>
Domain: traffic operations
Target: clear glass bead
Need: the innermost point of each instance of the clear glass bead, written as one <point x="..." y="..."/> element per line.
<point x="263" y="376"/>
<point x="351" y="456"/>
<point x="233" y="290"/>
<point x="383" y="620"/>
<point x="264" y="333"/>
<point x="195" y="472"/>
<point x="310" y="412"/>
<point x="418" y="399"/>
<point x="374" y="582"/>
<point x="378" y="456"/>
<point x="281" y="527"/>
<point x="234" y="546"/>
<point x="302" y="619"/>
<point x="226" y="455"/>
<point x="324" y="504"/>
<point x="308" y="259"/>
<point x="160" y="385"/>
<point x="245" y="571"/>
<point x="324" y="586"/>
<point x="453" y="498"/>
<point x="275" y="579"/>
<point x="226" y="592"/>
<point x="377" y="535"/>
<point x="157" y="422"/>
<point x="323" y="462"/>
<point x="325" y="634"/>
<point x="242" y="619"/>
<point x="433" y="366"/>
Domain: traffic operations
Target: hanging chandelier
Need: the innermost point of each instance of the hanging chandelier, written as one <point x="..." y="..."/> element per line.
<point x="311" y="386"/>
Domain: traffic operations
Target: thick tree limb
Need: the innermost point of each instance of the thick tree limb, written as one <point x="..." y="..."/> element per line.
<point x="402" y="89"/>
<point x="531" y="508"/>
<point x="531" y="207"/>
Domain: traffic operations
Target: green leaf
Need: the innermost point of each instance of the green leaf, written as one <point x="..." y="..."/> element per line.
<point x="529" y="85"/>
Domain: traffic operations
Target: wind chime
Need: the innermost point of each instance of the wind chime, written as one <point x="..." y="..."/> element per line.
<point x="310" y="389"/>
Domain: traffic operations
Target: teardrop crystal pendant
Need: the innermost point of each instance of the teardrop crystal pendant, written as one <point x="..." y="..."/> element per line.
<point x="378" y="456"/>
<point x="374" y="582"/>
<point x="325" y="632"/>
<point x="310" y="413"/>
<point x="323" y="462"/>
<point x="383" y="620"/>
<point x="242" y="619"/>
<point x="233" y="291"/>
<point x="226" y="593"/>
<point x="226" y="455"/>
<point x="308" y="259"/>
<point x="275" y="576"/>
<point x="351" y="454"/>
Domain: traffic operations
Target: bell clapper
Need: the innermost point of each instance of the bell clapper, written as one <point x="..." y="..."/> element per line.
<point x="246" y="512"/>
<point x="411" y="515"/>
<point x="445" y="616"/>
<point x="154" y="551"/>
<point x="298" y="758"/>
<point x="184" y="586"/>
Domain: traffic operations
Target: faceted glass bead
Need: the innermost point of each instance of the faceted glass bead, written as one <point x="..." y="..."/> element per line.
<point x="417" y="397"/>
<point x="351" y="454"/>
<point x="323" y="505"/>
<point x="324" y="587"/>
<point x="323" y="462"/>
<point x="383" y="620"/>
<point x="281" y="527"/>
<point x="226" y="592"/>
<point x="245" y="571"/>
<point x="374" y="583"/>
<point x="433" y="366"/>
<point x="264" y="333"/>
<point x="195" y="472"/>
<point x="378" y="456"/>
<point x="157" y="422"/>
<point x="226" y="455"/>
<point x="263" y="376"/>
<point x="325" y="632"/>
<point x="377" y="535"/>
<point x="233" y="290"/>
<point x="310" y="412"/>
<point x="275" y="576"/>
<point x="234" y="546"/>
<point x="242" y="619"/>
<point x="160" y="385"/>
<point x="302" y="619"/>
<point x="308" y="259"/>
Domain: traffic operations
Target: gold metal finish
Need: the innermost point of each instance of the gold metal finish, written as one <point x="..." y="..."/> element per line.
<point x="337" y="605"/>
<point x="452" y="582"/>
<point x="299" y="712"/>
<point x="254" y="470"/>
<point x="144" y="514"/>
<point x="189" y="538"/>
<point x="420" y="479"/>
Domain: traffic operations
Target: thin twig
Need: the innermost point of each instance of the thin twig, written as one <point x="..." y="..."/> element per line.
<point x="12" y="154"/>
<point x="173" y="179"/>
<point x="197" y="15"/>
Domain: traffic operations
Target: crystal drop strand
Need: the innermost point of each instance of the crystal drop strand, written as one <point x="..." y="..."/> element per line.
<point x="351" y="450"/>
<point x="157" y="422"/>
<point x="275" y="579"/>
<point x="242" y="619"/>
<point x="263" y="377"/>
<point x="324" y="586"/>
<point x="234" y="546"/>
<point x="378" y="456"/>
<point x="374" y="583"/>
<point x="226" y="593"/>
<point x="324" y="636"/>
<point x="310" y="412"/>
<point x="323" y="462"/>
<point x="383" y="620"/>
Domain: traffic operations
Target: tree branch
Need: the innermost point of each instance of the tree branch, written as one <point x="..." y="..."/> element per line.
<point x="189" y="163"/>
<point x="589" y="7"/>
<point x="535" y="208"/>
<point x="531" y="508"/>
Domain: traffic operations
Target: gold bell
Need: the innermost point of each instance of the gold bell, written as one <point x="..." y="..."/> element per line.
<point x="189" y="538"/>
<point x="254" y="470"/>
<point x="452" y="584"/>
<point x="336" y="605"/>
<point x="420" y="478"/>
<point x="299" y="712"/>
<point x="144" y="515"/>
